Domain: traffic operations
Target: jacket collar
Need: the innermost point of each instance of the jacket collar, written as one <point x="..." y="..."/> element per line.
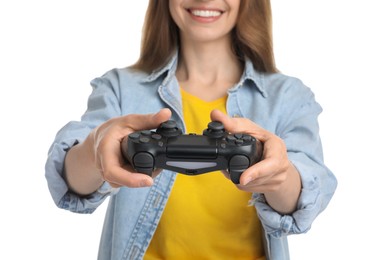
<point x="170" y="67"/>
<point x="250" y="74"/>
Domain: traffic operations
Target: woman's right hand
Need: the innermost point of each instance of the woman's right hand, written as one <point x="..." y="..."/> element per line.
<point x="99" y="157"/>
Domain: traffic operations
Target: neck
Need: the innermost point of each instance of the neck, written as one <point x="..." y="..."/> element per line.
<point x="208" y="67"/>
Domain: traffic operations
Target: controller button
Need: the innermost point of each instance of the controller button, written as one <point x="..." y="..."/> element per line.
<point x="160" y="143"/>
<point x="156" y="137"/>
<point x="144" y="140"/>
<point x="238" y="136"/>
<point x="223" y="145"/>
<point x="247" y="138"/>
<point x="230" y="138"/>
<point x="146" y="132"/>
<point x="134" y="135"/>
<point x="239" y="142"/>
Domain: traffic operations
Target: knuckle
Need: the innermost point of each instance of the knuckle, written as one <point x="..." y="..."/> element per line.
<point x="108" y="175"/>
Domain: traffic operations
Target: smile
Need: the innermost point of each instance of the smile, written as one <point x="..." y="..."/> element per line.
<point x="205" y="13"/>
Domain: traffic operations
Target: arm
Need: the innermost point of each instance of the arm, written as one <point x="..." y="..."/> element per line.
<point x="98" y="158"/>
<point x="71" y="169"/>
<point x="274" y="176"/>
<point x="298" y="132"/>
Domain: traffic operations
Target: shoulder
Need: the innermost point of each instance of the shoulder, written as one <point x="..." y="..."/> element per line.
<point x="285" y="95"/>
<point x="118" y="76"/>
<point x="275" y="84"/>
<point x="123" y="82"/>
<point x="278" y="83"/>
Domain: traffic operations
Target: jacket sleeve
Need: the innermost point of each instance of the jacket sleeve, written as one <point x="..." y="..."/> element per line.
<point x="102" y="105"/>
<point x="298" y="127"/>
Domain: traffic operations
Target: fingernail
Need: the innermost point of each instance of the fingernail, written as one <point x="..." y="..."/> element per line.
<point x="145" y="183"/>
<point x="247" y="180"/>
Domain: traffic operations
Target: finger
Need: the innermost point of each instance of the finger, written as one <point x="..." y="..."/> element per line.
<point x="231" y="124"/>
<point x="138" y="122"/>
<point x="257" y="187"/>
<point x="217" y="115"/>
<point x="115" y="170"/>
<point x="260" y="172"/>
<point x="117" y="177"/>
<point x="240" y="125"/>
<point x="271" y="168"/>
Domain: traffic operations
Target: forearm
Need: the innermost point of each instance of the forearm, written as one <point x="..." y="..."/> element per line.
<point x="81" y="173"/>
<point x="285" y="199"/>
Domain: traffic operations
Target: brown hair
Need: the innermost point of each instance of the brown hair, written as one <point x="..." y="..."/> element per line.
<point x="252" y="35"/>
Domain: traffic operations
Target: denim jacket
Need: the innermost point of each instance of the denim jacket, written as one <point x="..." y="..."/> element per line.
<point x="278" y="103"/>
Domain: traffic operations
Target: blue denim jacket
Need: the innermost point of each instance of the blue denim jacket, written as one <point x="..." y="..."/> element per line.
<point x="280" y="104"/>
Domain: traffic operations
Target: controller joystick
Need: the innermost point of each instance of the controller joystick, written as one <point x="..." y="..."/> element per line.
<point x="169" y="129"/>
<point x="167" y="148"/>
<point x="214" y="129"/>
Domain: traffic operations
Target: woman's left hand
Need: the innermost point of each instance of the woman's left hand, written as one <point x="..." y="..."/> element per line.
<point x="274" y="175"/>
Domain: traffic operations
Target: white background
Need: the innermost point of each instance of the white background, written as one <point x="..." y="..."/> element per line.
<point x="50" y="50"/>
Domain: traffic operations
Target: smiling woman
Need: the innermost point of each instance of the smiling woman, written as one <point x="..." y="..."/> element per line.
<point x="252" y="37"/>
<point x="199" y="61"/>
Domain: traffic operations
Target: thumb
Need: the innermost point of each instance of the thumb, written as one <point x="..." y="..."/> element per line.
<point x="138" y="122"/>
<point x="240" y="125"/>
<point x="228" y="122"/>
<point x="218" y="115"/>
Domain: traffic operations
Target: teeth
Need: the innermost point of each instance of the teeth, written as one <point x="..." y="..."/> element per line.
<point x="205" y="13"/>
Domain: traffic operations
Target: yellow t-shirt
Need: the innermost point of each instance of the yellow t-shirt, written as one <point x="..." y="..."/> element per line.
<point x="206" y="216"/>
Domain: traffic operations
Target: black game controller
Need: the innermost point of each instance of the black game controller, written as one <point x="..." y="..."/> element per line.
<point x="167" y="148"/>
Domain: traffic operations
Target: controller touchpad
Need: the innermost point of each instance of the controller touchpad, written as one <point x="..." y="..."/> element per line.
<point x="192" y="146"/>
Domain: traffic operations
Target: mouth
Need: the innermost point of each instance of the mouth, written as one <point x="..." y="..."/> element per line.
<point x="205" y="13"/>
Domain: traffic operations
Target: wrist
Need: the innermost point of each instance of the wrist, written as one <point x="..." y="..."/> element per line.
<point x="285" y="199"/>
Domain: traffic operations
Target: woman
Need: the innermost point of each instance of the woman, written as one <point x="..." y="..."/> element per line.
<point x="200" y="61"/>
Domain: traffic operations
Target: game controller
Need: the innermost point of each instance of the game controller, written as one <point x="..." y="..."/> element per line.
<point x="192" y="154"/>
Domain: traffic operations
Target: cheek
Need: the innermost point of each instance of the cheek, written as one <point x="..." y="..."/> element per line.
<point x="176" y="12"/>
<point x="235" y="7"/>
<point x="232" y="20"/>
